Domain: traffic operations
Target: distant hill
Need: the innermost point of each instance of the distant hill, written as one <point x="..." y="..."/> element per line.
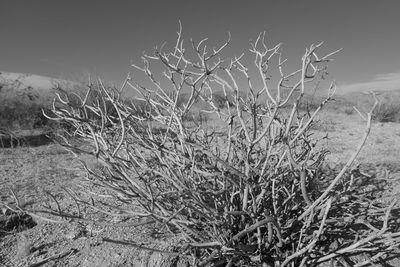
<point x="22" y="96"/>
<point x="30" y="88"/>
<point x="363" y="98"/>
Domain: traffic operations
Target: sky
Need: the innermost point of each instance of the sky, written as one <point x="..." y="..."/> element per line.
<point x="73" y="38"/>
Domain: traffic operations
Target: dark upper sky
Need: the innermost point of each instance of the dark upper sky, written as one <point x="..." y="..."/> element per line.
<point x="69" y="39"/>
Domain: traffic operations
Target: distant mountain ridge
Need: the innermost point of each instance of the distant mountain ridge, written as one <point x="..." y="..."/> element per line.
<point x="30" y="87"/>
<point x="23" y="96"/>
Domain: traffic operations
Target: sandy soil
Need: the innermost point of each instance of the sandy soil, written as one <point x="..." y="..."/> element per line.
<point x="30" y="173"/>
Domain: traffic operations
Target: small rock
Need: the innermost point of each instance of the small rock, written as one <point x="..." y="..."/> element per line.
<point x="73" y="234"/>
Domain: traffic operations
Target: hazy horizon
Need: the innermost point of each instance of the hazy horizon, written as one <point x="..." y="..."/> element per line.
<point x="71" y="39"/>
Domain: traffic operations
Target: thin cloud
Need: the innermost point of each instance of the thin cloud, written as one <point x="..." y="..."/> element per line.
<point x="381" y="82"/>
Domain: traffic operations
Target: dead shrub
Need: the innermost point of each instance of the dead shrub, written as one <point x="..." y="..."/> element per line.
<point x="243" y="192"/>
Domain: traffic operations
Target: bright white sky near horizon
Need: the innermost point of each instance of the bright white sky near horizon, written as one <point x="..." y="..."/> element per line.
<point x="69" y="39"/>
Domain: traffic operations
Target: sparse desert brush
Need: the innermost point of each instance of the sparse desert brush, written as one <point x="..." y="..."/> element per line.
<point x="349" y="110"/>
<point x="244" y="192"/>
<point x="197" y="116"/>
<point x="387" y="111"/>
<point x="26" y="116"/>
<point x="324" y="125"/>
<point x="309" y="105"/>
<point x="388" y="108"/>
